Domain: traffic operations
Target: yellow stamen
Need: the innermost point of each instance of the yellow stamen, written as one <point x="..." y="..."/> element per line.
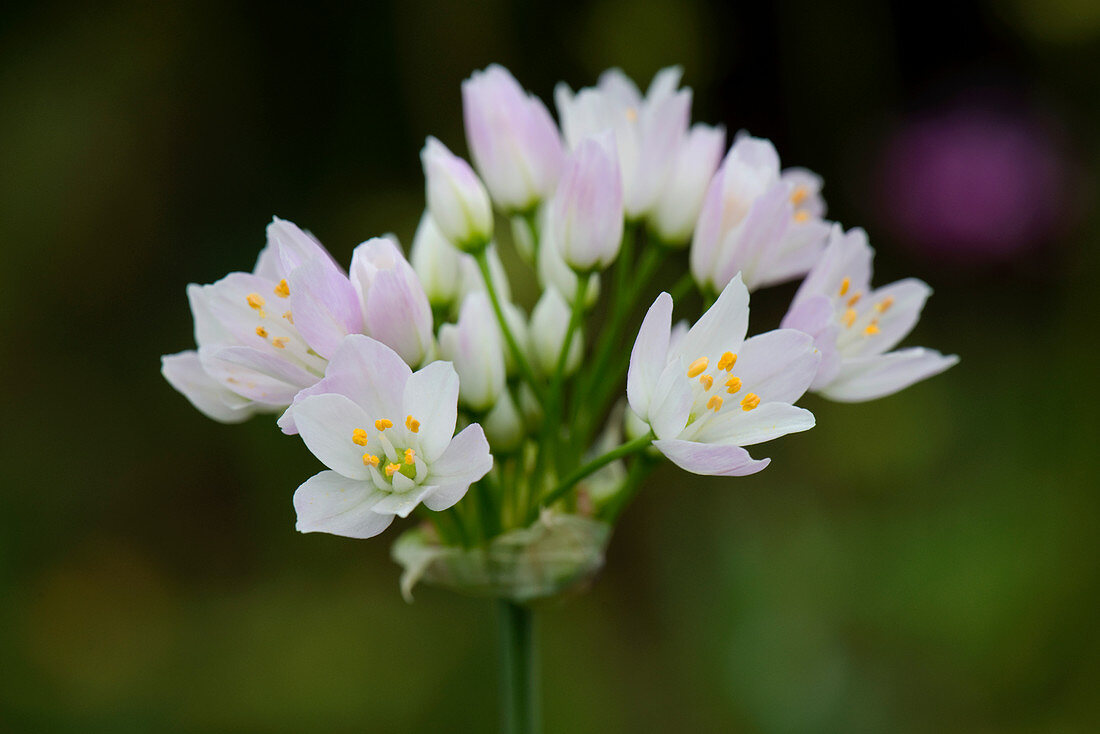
<point x="282" y="290"/>
<point x="750" y="401"/>
<point x="392" y="469"/>
<point x="370" y="460"/>
<point x="844" y="286"/>
<point x="733" y="384"/>
<point x="801" y="216"/>
<point x="715" y="403"/>
<point x="631" y="114"/>
<point x="697" y="367"/>
<point x="850" y="317"/>
<point x="855" y="298"/>
<point x="884" y="305"/>
<point x="410" y="457"/>
<point x="412" y="424"/>
<point x="727" y="361"/>
<point x="707" y="381"/>
<point x="289" y="317"/>
<point x="799" y="195"/>
<point x="872" y="328"/>
<point x="383" y="423"/>
<point x="359" y="437"/>
<point x="255" y="300"/>
<point x="261" y="332"/>
<point x="279" y="342"/>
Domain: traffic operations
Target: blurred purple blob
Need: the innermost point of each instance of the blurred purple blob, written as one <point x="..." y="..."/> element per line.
<point x="975" y="183"/>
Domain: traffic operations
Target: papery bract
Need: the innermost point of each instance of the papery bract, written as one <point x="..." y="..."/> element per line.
<point x="716" y="391"/>
<point x="855" y="326"/>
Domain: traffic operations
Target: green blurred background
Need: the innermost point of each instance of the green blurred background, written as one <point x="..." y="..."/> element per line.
<point x="923" y="563"/>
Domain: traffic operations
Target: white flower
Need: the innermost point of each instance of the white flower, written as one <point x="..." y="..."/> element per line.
<point x="513" y="140"/>
<point x="586" y="213"/>
<point x="757" y="221"/>
<point x="385" y="433"/>
<point x="677" y="209"/>
<point x="855" y="326"/>
<point x="456" y="197"/>
<point x="395" y="308"/>
<point x="475" y="346"/>
<point x="549" y="324"/>
<point x="715" y="391"/>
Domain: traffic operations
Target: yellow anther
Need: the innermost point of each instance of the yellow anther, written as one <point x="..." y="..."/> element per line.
<point x="392" y="469"/>
<point x="844" y="286"/>
<point x="706" y="381"/>
<point x="855" y="298"/>
<point x="412" y="424"/>
<point x="280" y="342"/>
<point x="383" y="423"/>
<point x="359" y="437"/>
<point x="733" y="384"/>
<point x="872" y="328"/>
<point x="715" y="403"/>
<point x="261" y="332"/>
<point x="884" y="305"/>
<point x="289" y="317"/>
<point x="631" y="114"/>
<point x="282" y="290"/>
<point x="255" y="300"/>
<point x="370" y="460"/>
<point x="850" y="317"/>
<point x="801" y="216"/>
<point x="697" y="367"/>
<point x="410" y="457"/>
<point x="727" y="361"/>
<point x="750" y="401"/>
<point x="799" y="195"/>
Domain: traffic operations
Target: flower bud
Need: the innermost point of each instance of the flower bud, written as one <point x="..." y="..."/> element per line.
<point x="474" y="346"/>
<point x="396" y="310"/>
<point x="456" y="198"/>
<point x="437" y="263"/>
<point x="677" y="208"/>
<point x="513" y="140"/>
<point x="504" y="426"/>
<point x="549" y="324"/>
<point x="554" y="272"/>
<point x="586" y="215"/>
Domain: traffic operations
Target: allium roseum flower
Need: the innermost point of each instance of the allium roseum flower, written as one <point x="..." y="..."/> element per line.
<point x="395" y="308"/>
<point x="457" y="199"/>
<point x="386" y="434"/>
<point x="476" y="348"/>
<point x="855" y="326"/>
<point x="677" y="209"/>
<point x="648" y="131"/>
<point x="513" y="140"/>
<point x="758" y="221"/>
<point x="263" y="336"/>
<point x="715" y="391"/>
<point x="586" y="213"/>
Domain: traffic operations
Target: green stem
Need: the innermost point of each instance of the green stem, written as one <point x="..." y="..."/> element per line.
<point x="567" y="484"/>
<point x="517" y="353"/>
<point x="639" y="468"/>
<point x="520" y="706"/>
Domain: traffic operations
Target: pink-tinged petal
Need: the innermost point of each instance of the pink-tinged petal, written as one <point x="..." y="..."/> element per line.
<point x="324" y="305"/>
<point x="441" y="498"/>
<point x="711" y="459"/>
<point x="798" y="252"/>
<point x="262" y="377"/>
<point x="184" y="372"/>
<point x="896" y="308"/>
<point x="330" y="503"/>
<point x="208" y="329"/>
<point x="371" y="374"/>
<point x="294" y="245"/>
<point x="327" y="423"/>
<point x="707" y="240"/>
<point x="764" y="423"/>
<point x="466" y="459"/>
<point x="402" y="503"/>
<point x="649" y="355"/>
<point x="778" y="365"/>
<point x="815" y="316"/>
<point x="748" y="249"/>
<point x="399" y="315"/>
<point x="867" y="378"/>
<point x="670" y="406"/>
<point x="226" y="302"/>
<point x="847" y="255"/>
<point x="431" y="397"/>
<point x="722" y="328"/>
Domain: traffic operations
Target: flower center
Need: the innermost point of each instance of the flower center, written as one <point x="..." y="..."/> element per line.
<point x="390" y="459"/>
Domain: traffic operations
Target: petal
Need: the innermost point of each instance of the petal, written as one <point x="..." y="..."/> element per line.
<point x="672" y="399"/>
<point x="402" y="503"/>
<point x="326" y="424"/>
<point x="431" y="397"/>
<point x="650" y="354"/>
<point x="330" y="503"/>
<point x="722" y="328"/>
<point x="466" y="460"/>
<point x="265" y="378"/>
<point x="907" y="298"/>
<point x="867" y="378"/>
<point x="185" y="373"/>
<point x="324" y="305"/>
<point x="371" y="374"/>
<point x="767" y="421"/>
<point x="440" y="498"/>
<point x="294" y="245"/>
<point x="398" y="315"/>
<point x="814" y="316"/>
<point x="713" y="459"/>
<point x="777" y="365"/>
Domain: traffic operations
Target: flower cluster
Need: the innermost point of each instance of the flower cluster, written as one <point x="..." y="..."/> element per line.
<point x="376" y="367"/>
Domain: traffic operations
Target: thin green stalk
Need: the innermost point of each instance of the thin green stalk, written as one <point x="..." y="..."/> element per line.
<point x="520" y="705"/>
<point x="639" y="468"/>
<point x="599" y="462"/>
<point x="517" y="353"/>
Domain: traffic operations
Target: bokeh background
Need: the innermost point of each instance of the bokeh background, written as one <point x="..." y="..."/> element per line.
<point x="923" y="563"/>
